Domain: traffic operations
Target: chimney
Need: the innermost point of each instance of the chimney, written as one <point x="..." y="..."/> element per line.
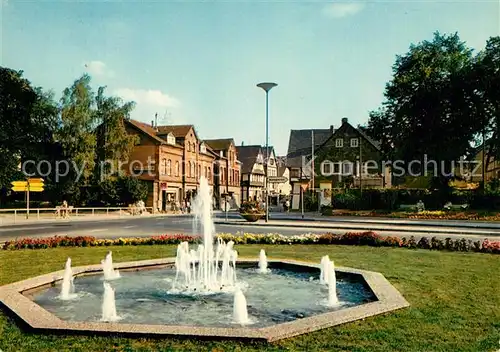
<point x="242" y="143"/>
<point x="344" y="120"/>
<point x="152" y="124"/>
<point x="331" y="129"/>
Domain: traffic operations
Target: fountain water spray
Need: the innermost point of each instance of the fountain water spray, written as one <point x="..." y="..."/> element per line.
<point x="108" y="304"/>
<point x="332" y="285"/>
<point x="67" y="287"/>
<point x="206" y="269"/>
<point x="325" y="264"/>
<point x="262" y="262"/>
<point x="107" y="268"/>
<point x="240" y="313"/>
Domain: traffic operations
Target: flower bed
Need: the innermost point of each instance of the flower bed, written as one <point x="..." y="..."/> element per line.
<point x="423" y="215"/>
<point x="367" y="238"/>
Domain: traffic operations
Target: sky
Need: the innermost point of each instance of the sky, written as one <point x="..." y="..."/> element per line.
<point x="198" y="63"/>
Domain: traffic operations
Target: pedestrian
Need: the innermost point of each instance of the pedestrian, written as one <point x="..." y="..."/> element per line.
<point x="287" y="206"/>
<point x="188" y="206"/>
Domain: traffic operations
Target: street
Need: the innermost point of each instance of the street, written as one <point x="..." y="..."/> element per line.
<point x="156" y="225"/>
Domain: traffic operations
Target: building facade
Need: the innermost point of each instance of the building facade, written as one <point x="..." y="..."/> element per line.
<point x="343" y="158"/>
<point x="228" y="173"/>
<point x="252" y="172"/>
<point x="300" y="148"/>
<point x="171" y="160"/>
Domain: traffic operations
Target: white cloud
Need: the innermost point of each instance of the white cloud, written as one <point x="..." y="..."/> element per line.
<point x="343" y="9"/>
<point x="148" y="97"/>
<point x="149" y="102"/>
<point x="98" y="68"/>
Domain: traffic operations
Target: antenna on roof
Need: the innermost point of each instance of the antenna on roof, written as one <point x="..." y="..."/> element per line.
<point x="166" y="118"/>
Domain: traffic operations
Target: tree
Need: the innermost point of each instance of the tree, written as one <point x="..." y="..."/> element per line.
<point x="76" y="133"/>
<point x="28" y="116"/>
<point x="114" y="144"/>
<point x="131" y="189"/>
<point x="484" y="81"/>
<point x="427" y="109"/>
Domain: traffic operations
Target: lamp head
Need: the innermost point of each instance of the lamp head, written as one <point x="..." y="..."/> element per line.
<point x="267" y="86"/>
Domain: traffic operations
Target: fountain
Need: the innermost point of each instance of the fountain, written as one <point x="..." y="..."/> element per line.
<point x="325" y="263"/>
<point x="200" y="293"/>
<point x="67" y="287"/>
<point x="205" y="270"/>
<point x="240" y="313"/>
<point x="108" y="304"/>
<point x="107" y="268"/>
<point x="332" y="286"/>
<point x="262" y="262"/>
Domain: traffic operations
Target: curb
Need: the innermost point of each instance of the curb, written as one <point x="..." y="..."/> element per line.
<point x="406" y="222"/>
<point x="360" y="228"/>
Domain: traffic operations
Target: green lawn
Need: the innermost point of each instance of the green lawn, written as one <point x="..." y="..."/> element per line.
<point x="454" y="297"/>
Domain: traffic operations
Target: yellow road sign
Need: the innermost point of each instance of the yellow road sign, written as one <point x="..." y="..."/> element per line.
<point x="37" y="189"/>
<point x="19" y="183"/>
<point x="19" y="189"/>
<point x="35" y="180"/>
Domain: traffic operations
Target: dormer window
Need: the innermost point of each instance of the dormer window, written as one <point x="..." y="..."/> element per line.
<point x="354" y="142"/>
<point x="203" y="148"/>
<point x="339" y="142"/>
<point x="171" y="139"/>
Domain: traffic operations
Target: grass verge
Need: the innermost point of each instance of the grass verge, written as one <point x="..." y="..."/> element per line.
<point x="454" y="297"/>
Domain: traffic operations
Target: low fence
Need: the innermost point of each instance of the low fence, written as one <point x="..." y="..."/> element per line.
<point x="60" y="212"/>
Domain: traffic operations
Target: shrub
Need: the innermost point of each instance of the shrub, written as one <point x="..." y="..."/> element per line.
<point x="251" y="207"/>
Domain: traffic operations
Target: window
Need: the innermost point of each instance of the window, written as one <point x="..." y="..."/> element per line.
<point x="203" y="149"/>
<point x="188" y="146"/>
<point x="347" y="168"/>
<point x="209" y="174"/>
<point x="193" y="170"/>
<point x="339" y="142"/>
<point x="199" y="171"/>
<point x="163" y="166"/>
<point x="169" y="167"/>
<point x="206" y="172"/>
<point x="171" y="139"/>
<point x="177" y="170"/>
<point x="326" y="168"/>
<point x="354" y="142"/>
<point x="189" y="169"/>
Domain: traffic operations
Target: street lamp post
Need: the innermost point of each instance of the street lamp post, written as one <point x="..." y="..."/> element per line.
<point x="267" y="86"/>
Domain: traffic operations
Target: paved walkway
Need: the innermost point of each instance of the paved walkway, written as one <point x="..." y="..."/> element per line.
<point x="381" y="220"/>
<point x="380" y="226"/>
<point x="20" y="219"/>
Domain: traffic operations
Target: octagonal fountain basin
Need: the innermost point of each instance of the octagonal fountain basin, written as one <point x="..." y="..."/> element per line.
<point x="283" y="294"/>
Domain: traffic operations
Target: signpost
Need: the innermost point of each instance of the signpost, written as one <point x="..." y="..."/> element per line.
<point x="277" y="179"/>
<point x="31" y="185"/>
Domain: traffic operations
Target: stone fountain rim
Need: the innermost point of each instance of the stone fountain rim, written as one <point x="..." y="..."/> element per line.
<point x="39" y="319"/>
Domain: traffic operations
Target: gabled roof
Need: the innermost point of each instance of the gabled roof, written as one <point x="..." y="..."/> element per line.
<point x="300" y="144"/>
<point x="248" y="154"/>
<point x="375" y="144"/>
<point x="281" y="170"/>
<point x="219" y="144"/>
<point x="270" y="151"/>
<point x="179" y="131"/>
<point x="146" y="129"/>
